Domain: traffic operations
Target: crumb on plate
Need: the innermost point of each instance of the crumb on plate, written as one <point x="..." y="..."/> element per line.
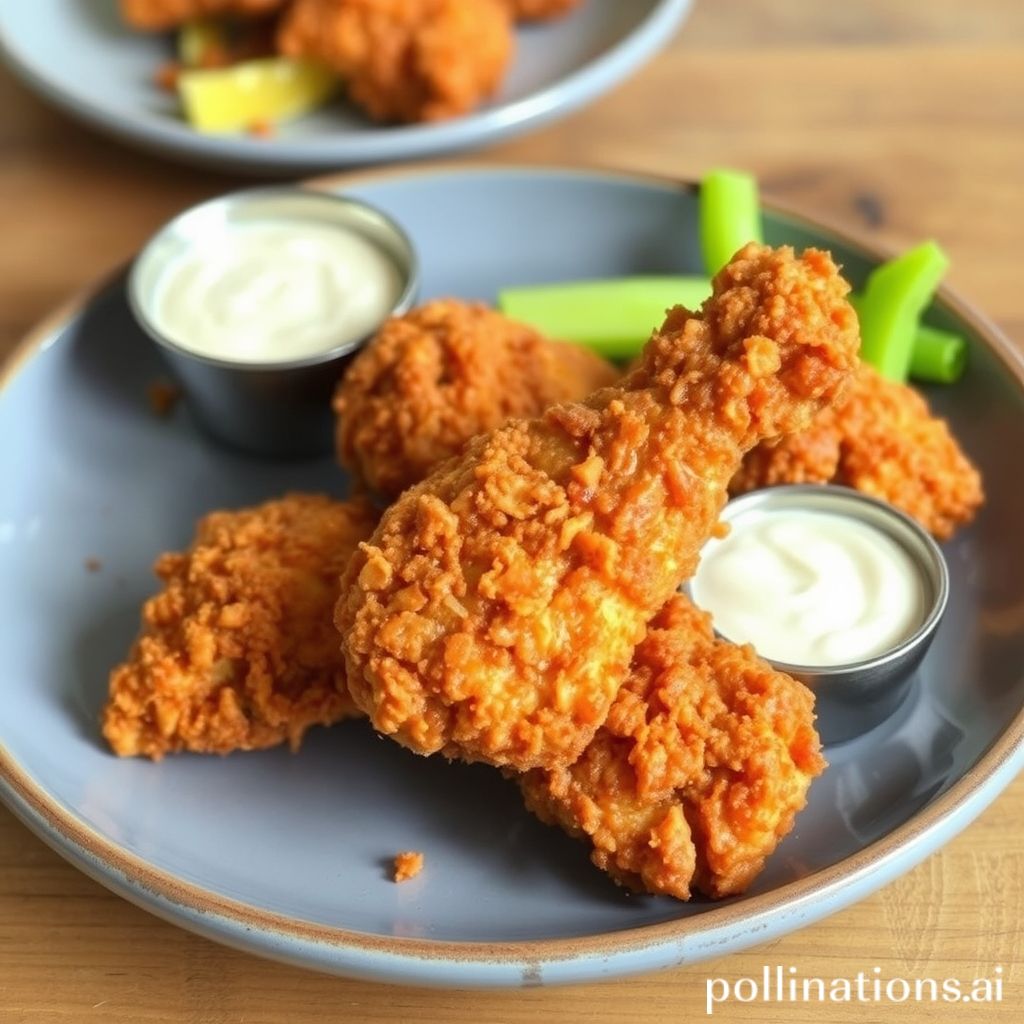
<point x="163" y="397"/>
<point x="93" y="565"/>
<point x="408" y="865"/>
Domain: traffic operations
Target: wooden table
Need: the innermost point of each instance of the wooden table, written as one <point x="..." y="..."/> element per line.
<point x="901" y="119"/>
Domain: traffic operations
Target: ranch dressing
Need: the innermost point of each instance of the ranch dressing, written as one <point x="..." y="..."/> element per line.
<point x="276" y="291"/>
<point x="810" y="588"/>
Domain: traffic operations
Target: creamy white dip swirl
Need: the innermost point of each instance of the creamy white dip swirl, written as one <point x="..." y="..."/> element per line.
<point x="810" y="588"/>
<point x="276" y="291"/>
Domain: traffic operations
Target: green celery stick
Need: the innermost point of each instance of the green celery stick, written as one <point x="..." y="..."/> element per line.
<point x="891" y="305"/>
<point x="939" y="357"/>
<point x="614" y="317"/>
<point x="730" y="216"/>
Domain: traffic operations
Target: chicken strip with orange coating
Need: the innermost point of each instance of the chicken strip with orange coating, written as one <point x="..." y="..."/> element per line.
<point x="441" y="374"/>
<point x="882" y="440"/>
<point x="494" y="614"/>
<point x="238" y="652"/>
<point x="700" y="769"/>
<point x="158" y="15"/>
<point x="405" y="60"/>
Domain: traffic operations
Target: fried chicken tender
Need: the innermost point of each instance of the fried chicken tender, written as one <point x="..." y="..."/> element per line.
<point x="884" y="441"/>
<point x="158" y="15"/>
<point x="405" y="60"/>
<point x="238" y="651"/>
<point x="700" y="769"/>
<point x="437" y="376"/>
<point x="494" y="614"/>
<point x="541" y="10"/>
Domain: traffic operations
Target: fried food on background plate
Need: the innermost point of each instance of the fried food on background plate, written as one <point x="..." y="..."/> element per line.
<point x="882" y="440"/>
<point x="405" y="60"/>
<point x="441" y="374"/>
<point x="238" y="651"/>
<point x="158" y="15"/>
<point x="541" y="10"/>
<point x="699" y="770"/>
<point x="494" y="614"/>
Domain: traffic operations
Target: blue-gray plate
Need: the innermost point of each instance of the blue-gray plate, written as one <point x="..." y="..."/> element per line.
<point x="78" y="54"/>
<point x="286" y="855"/>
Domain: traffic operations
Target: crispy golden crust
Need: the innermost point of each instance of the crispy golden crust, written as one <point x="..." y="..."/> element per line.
<point x="157" y="15"/>
<point x="441" y="374"/>
<point x="541" y="10"/>
<point x="405" y="60"/>
<point x="809" y="456"/>
<point x="699" y="771"/>
<point x="237" y="652"/>
<point x="884" y="441"/>
<point x="494" y="614"/>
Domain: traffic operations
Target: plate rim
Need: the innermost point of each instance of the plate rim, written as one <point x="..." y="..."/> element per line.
<point x="449" y="962"/>
<point x="486" y="125"/>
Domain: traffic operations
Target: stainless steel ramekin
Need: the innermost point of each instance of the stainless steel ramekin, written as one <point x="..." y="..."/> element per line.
<point x="855" y="697"/>
<point x="280" y="409"/>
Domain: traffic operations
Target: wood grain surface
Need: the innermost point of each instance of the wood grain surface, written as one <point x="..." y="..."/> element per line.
<point x="901" y="118"/>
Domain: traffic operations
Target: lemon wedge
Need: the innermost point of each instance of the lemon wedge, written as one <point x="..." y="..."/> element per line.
<point x="254" y="92"/>
<point x="197" y="38"/>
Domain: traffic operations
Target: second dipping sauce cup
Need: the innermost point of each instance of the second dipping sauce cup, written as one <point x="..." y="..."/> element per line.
<point x="279" y="407"/>
<point x="854" y="696"/>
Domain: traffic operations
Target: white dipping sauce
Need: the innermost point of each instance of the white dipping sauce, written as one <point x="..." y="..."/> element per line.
<point x="276" y="291"/>
<point x="810" y="588"/>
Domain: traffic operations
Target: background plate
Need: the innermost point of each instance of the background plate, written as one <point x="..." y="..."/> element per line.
<point x="78" y="54"/>
<point x="288" y="856"/>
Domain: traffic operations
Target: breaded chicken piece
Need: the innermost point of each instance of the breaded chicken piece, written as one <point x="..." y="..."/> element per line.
<point x="441" y="374"/>
<point x="541" y="10"/>
<point x="884" y="441"/>
<point x="494" y="614"/>
<point x="405" y="60"/>
<point x="158" y="15"/>
<point x="238" y="651"/>
<point x="702" y="765"/>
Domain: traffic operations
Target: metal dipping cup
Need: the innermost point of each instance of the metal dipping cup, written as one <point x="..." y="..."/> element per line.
<point x="278" y="409"/>
<point x="852" y="698"/>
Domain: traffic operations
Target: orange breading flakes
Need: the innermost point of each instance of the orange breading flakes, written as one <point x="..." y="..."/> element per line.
<point x="237" y="652"/>
<point x="882" y="440"/>
<point x="405" y="60"/>
<point x="407" y="865"/>
<point x="434" y="378"/>
<point x="700" y="769"/>
<point x="526" y="670"/>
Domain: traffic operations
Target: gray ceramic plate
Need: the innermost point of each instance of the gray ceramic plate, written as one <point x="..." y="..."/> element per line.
<point x="77" y="54"/>
<point x="285" y="855"/>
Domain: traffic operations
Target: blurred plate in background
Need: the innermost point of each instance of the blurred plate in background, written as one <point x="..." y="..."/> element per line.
<point x="78" y="55"/>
